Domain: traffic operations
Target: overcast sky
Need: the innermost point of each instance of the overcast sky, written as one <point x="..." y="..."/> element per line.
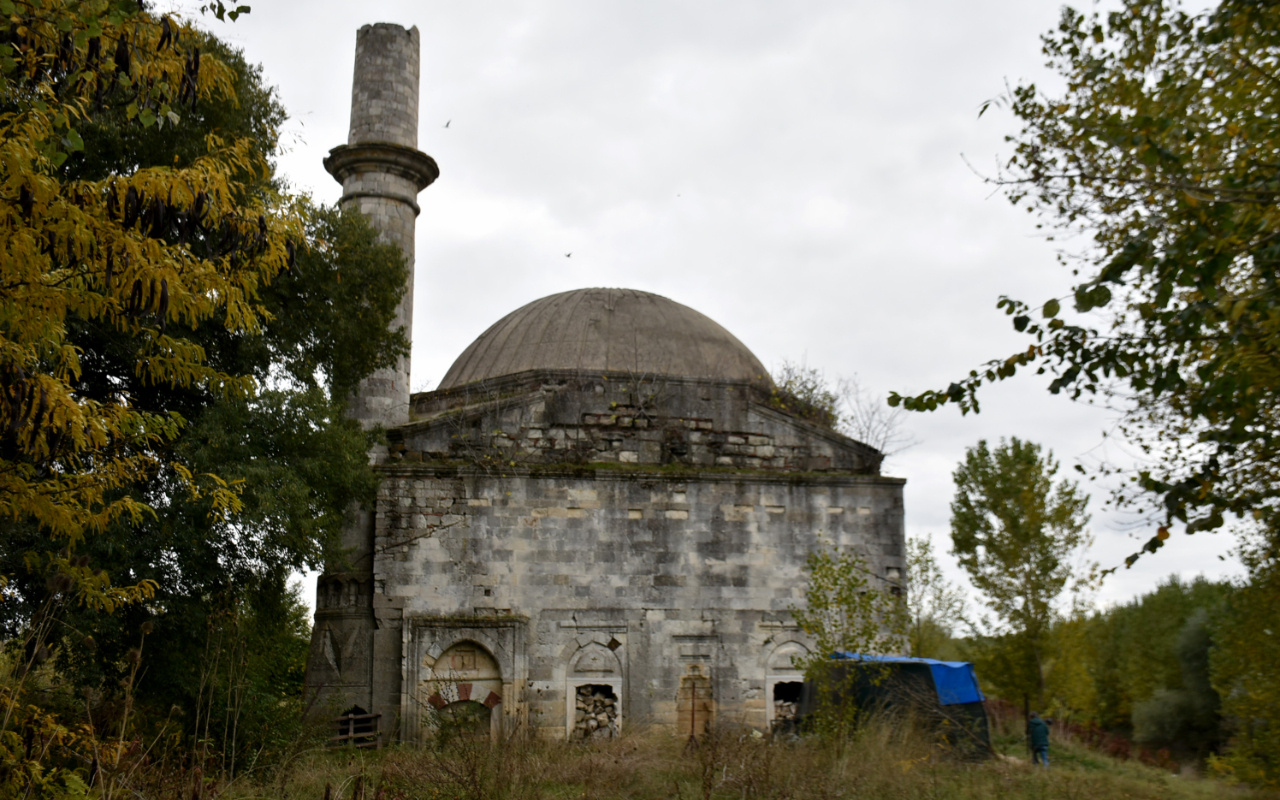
<point x="808" y="174"/>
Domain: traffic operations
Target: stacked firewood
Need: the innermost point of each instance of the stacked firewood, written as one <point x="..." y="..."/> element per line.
<point x="784" y="713"/>
<point x="596" y="716"/>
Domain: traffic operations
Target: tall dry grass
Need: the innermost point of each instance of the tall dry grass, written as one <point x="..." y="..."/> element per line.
<point x="883" y="759"/>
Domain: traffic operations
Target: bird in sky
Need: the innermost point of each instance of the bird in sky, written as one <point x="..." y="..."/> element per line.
<point x="566" y="255"/>
<point x="447" y="123"/>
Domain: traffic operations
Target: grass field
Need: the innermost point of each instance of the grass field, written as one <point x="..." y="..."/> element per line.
<point x="882" y="761"/>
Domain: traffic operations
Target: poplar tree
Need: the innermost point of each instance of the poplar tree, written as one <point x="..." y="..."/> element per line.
<point x="934" y="605"/>
<point x="1019" y="536"/>
<point x="1156" y="160"/>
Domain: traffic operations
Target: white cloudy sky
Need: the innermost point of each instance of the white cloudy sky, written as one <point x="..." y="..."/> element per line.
<point x="794" y="170"/>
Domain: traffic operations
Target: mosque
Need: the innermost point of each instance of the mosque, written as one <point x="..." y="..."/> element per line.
<point x="598" y="520"/>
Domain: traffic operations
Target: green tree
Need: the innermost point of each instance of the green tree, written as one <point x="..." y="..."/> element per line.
<point x="1134" y="647"/>
<point x="150" y="255"/>
<point x="847" y="608"/>
<point x="1141" y="668"/>
<point x="1184" y="718"/>
<point x="844" y="609"/>
<point x="1020" y="538"/>
<point x="1159" y="156"/>
<point x="934" y="605"/>
<point x="297" y="464"/>
<point x="1070" y="670"/>
<point x="157" y="329"/>
<point x="1242" y="666"/>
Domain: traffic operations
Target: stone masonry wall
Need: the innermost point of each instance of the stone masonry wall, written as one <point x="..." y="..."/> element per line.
<point x="384" y="94"/>
<point x="384" y="111"/>
<point x="383" y="396"/>
<point x="548" y="418"/>
<point x="672" y="590"/>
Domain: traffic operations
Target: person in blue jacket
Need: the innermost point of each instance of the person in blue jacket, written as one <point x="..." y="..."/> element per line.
<point x="1038" y="736"/>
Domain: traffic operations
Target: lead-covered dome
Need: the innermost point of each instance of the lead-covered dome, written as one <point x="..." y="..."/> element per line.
<point x="606" y="330"/>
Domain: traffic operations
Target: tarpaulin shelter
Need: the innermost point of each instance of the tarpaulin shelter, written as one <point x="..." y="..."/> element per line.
<point x="943" y="695"/>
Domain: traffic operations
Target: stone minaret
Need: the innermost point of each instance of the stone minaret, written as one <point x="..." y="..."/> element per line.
<point x="355" y="645"/>
<point x="381" y="171"/>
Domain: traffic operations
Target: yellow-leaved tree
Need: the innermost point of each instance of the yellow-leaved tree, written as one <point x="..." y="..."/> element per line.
<point x="154" y="253"/>
<point x="150" y="254"/>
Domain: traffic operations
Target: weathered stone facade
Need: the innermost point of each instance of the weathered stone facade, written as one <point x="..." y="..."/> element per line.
<point x="636" y="580"/>
<point x="600" y="520"/>
<point x="644" y="537"/>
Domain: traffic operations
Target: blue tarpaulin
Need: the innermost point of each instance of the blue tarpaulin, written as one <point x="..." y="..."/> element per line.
<point x="954" y="680"/>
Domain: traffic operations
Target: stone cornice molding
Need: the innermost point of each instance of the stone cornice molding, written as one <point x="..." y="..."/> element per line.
<point x="413" y="165"/>
<point x="615" y="472"/>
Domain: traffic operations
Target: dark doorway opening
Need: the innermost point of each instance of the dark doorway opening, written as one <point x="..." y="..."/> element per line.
<point x="786" y="706"/>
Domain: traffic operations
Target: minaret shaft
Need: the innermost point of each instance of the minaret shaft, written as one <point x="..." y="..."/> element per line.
<point x="382" y="172"/>
<point x="354" y="661"/>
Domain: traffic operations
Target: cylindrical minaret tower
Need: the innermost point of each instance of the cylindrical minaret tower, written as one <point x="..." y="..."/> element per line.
<point x="354" y="664"/>
<point x="381" y="171"/>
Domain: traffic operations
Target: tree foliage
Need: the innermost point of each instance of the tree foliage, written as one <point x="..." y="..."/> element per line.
<point x="846" y="406"/>
<point x="804" y="391"/>
<point x="846" y="607"/>
<point x="1019" y="537"/>
<point x="1243" y="670"/>
<point x="1140" y="669"/>
<point x="1161" y="151"/>
<point x="149" y="254"/>
<point x="177" y="339"/>
<point x="1186" y="716"/>
<point x="934" y="605"/>
<point x="1160" y="155"/>
<point x="145" y="255"/>
<point x="1135" y="649"/>
<point x="196" y="349"/>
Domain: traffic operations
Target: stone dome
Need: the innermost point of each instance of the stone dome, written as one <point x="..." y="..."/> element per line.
<point x="606" y="330"/>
